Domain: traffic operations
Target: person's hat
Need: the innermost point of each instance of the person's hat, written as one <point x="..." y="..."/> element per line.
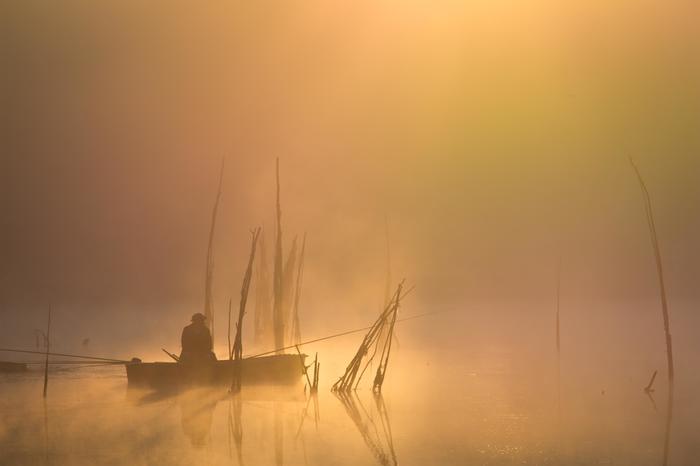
<point x="198" y="317"/>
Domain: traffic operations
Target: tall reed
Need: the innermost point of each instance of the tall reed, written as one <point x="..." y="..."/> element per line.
<point x="209" y="273"/>
<point x="278" y="279"/>
<point x="664" y="306"/>
<point x="46" y="363"/>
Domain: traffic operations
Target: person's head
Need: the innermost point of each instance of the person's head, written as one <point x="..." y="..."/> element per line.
<point x="198" y="318"/>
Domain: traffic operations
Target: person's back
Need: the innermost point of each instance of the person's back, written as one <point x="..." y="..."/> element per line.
<point x="196" y="341"/>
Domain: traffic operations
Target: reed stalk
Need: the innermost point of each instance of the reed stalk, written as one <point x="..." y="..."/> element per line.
<point x="314" y="383"/>
<point x="664" y="307"/>
<point x="660" y="273"/>
<point x="228" y="334"/>
<point x="237" y="353"/>
<point x="278" y="285"/>
<point x="288" y="288"/>
<point x="296" y="329"/>
<point x="558" y="340"/>
<point x="209" y="273"/>
<point x="263" y="296"/>
<point x="46" y="363"/>
<point x="304" y="368"/>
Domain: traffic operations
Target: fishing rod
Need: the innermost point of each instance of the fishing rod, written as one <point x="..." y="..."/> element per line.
<point x="43" y="353"/>
<point x="122" y="361"/>
<point x="341" y="334"/>
<point x="63" y="363"/>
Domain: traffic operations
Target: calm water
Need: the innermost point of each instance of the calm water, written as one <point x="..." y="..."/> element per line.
<point x="491" y="410"/>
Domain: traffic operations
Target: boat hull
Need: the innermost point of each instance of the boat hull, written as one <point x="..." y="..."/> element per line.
<point x="282" y="369"/>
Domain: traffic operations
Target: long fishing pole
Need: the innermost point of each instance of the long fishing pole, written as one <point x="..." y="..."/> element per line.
<point x="12" y="350"/>
<point x="341" y="334"/>
<point x="73" y="362"/>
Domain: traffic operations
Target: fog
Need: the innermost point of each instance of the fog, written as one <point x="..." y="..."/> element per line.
<point x="488" y="140"/>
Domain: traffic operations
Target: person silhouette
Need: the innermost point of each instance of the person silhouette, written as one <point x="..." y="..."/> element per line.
<point x="196" y="342"/>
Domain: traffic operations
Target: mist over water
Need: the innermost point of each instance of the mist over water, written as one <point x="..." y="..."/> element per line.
<point x="485" y="142"/>
<point x="492" y="406"/>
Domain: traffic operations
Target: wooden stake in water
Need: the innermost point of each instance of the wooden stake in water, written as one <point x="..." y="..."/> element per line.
<point x="46" y="364"/>
<point x="660" y="272"/>
<point x="664" y="307"/>
<point x="558" y="340"/>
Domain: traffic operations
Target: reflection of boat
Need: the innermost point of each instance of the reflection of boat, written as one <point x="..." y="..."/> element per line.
<point x="280" y="369"/>
<point x="6" y="366"/>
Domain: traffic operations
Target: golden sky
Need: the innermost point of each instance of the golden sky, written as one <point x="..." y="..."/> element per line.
<point x="493" y="134"/>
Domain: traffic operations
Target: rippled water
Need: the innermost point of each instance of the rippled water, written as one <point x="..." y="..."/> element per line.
<point x="484" y="409"/>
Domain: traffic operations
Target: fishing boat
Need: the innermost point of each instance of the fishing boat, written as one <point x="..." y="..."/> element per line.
<point x="279" y="369"/>
<point x="6" y="366"/>
<point x="264" y="369"/>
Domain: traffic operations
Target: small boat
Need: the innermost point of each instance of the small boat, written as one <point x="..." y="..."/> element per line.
<point x="279" y="369"/>
<point x="6" y="366"/>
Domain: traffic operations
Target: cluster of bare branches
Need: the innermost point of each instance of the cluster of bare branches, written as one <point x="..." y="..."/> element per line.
<point x="380" y="335"/>
<point x="236" y="352"/>
<point x="277" y="309"/>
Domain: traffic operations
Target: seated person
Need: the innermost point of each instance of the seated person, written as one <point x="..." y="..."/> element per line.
<point x="196" y="341"/>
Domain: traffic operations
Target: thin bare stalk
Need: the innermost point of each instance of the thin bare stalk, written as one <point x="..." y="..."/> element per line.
<point x="664" y="307"/>
<point x="228" y="334"/>
<point x="278" y="285"/>
<point x="263" y="296"/>
<point x="660" y="272"/>
<point x="288" y="288"/>
<point x="559" y="340"/>
<point x="238" y="342"/>
<point x="48" y="344"/>
<point x="296" y="329"/>
<point x="209" y="275"/>
<point x="304" y="368"/>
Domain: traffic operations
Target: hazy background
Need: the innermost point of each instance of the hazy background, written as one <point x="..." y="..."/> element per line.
<point x="494" y="135"/>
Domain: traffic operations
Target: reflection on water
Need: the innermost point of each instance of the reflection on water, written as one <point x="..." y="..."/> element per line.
<point x="235" y="428"/>
<point x="456" y="415"/>
<point x="669" y="420"/>
<point x="197" y="411"/>
<point x="374" y="427"/>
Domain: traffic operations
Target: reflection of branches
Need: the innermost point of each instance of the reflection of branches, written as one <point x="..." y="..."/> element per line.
<point x="305" y="413"/>
<point x="377" y="443"/>
<point x="669" y="419"/>
<point x="386" y="424"/>
<point x="278" y="433"/>
<point x="235" y="426"/>
<point x="651" y="399"/>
